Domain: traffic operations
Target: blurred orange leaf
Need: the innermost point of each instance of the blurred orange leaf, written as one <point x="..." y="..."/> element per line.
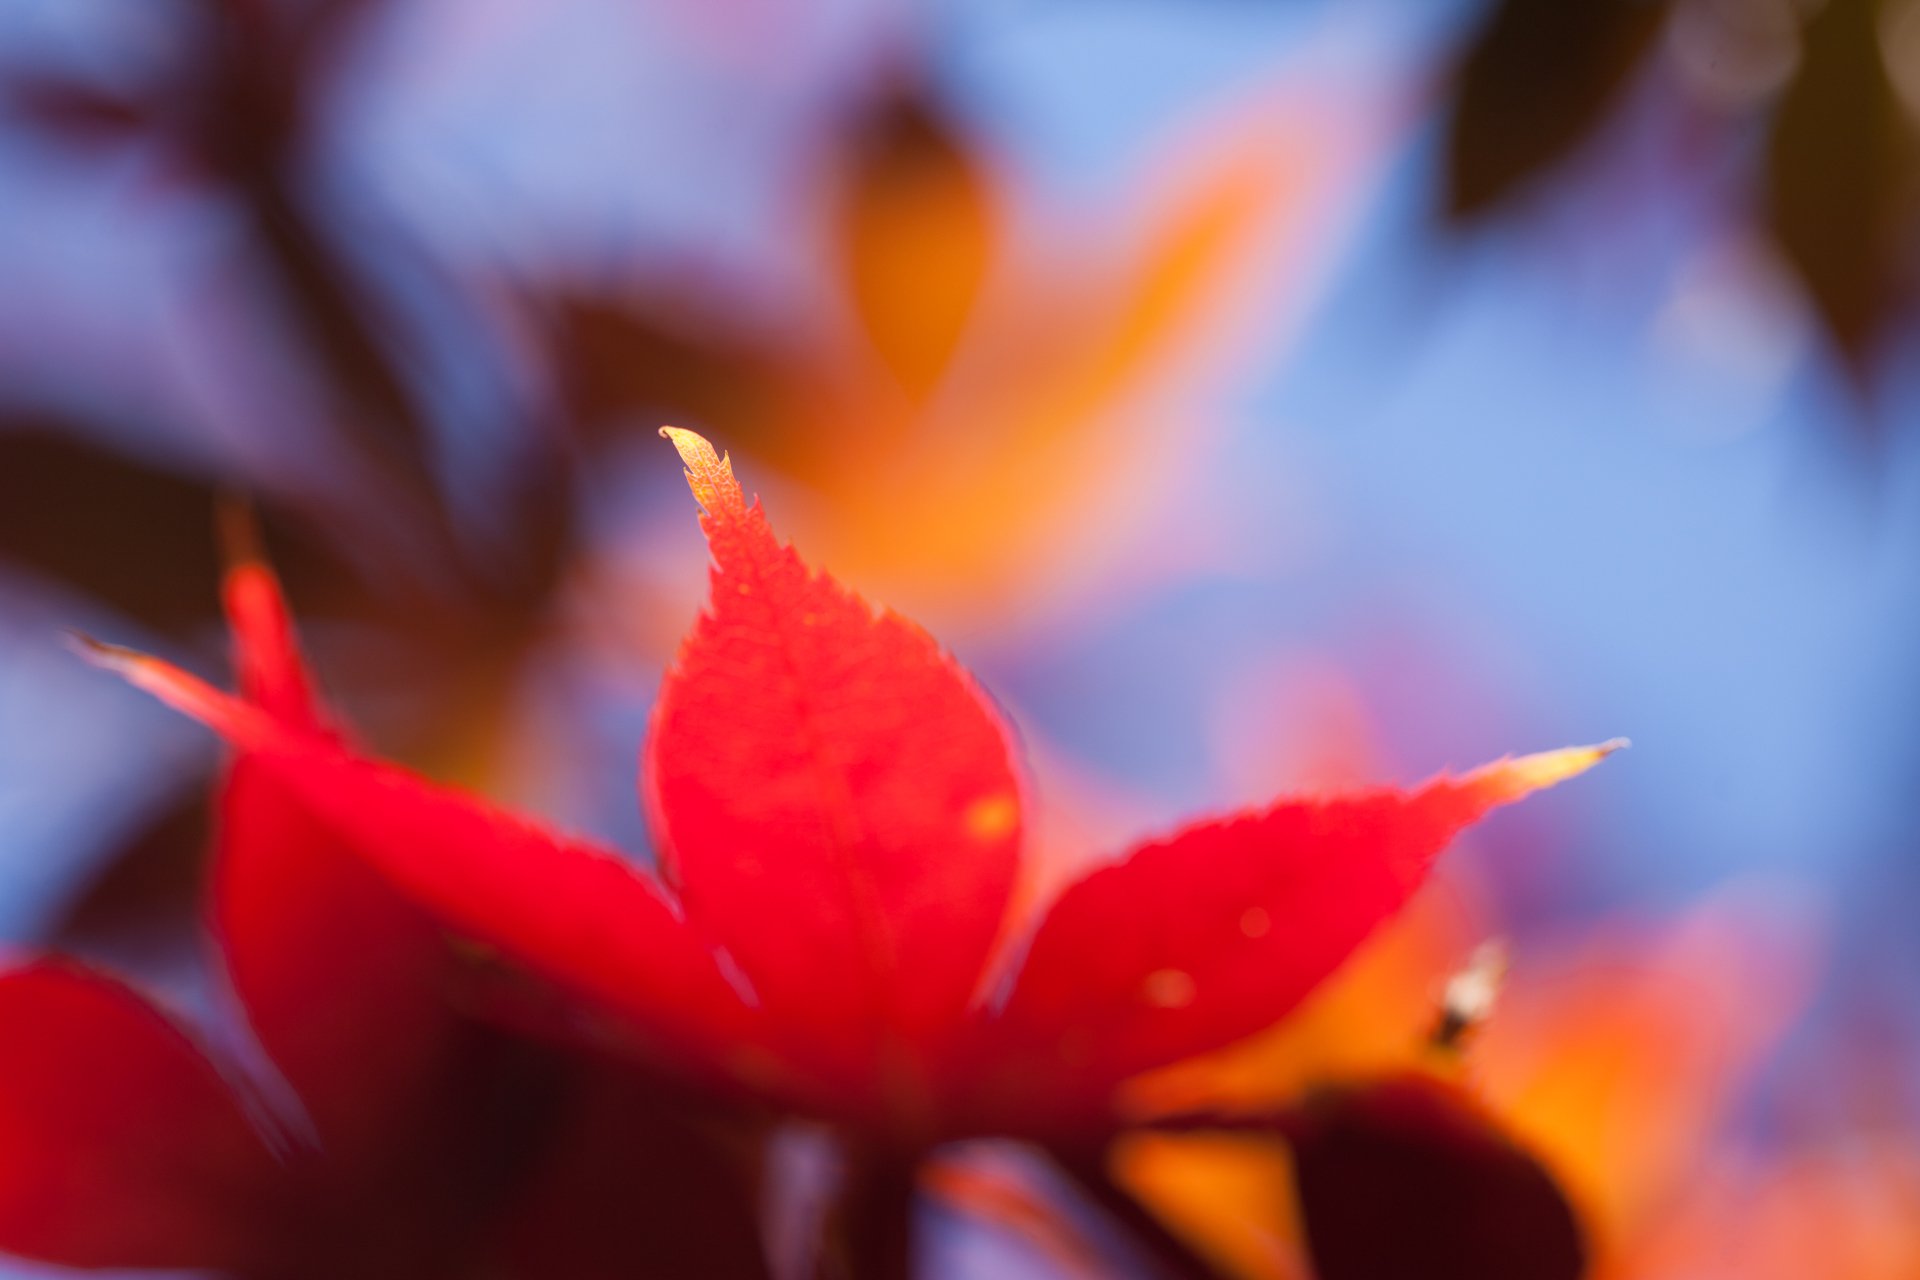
<point x="918" y="231"/>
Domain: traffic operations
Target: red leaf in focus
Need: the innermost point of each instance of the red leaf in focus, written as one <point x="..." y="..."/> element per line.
<point x="1216" y="932"/>
<point x="120" y="1144"/>
<point x="836" y="799"/>
<point x="1407" y="1177"/>
<point x="839" y="813"/>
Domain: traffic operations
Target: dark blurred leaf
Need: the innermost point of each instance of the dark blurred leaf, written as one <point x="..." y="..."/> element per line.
<point x="1537" y="81"/>
<point x="1841" y="173"/>
<point x="237" y="113"/>
<point x="136" y="535"/>
<point x="538" y="515"/>
<point x="1407" y="1178"/>
<point x="641" y="1174"/>
<point x="868" y="1234"/>
<point x="621" y="358"/>
<point x="457" y="614"/>
<point x="917" y="231"/>
<point x="140" y="537"/>
<point x="448" y="1167"/>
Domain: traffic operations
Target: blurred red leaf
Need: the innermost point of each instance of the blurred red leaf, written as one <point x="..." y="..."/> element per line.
<point x="119" y="1142"/>
<point x="361" y="1032"/>
<point x="427" y="1126"/>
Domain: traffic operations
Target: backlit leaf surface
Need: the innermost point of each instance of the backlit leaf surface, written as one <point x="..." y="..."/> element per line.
<point x="1218" y="931"/>
<point x="836" y="799"/>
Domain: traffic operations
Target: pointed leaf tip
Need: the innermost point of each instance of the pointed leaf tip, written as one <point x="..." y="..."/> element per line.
<point x="266" y="651"/>
<point x="1518" y="776"/>
<point x="709" y="474"/>
<point x="185" y="693"/>
<point x="110" y="657"/>
<point x="836" y="800"/>
<point x="1199" y="938"/>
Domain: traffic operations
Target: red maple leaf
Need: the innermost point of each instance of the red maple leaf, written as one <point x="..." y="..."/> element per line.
<point x="412" y="1138"/>
<point x="839" y="816"/>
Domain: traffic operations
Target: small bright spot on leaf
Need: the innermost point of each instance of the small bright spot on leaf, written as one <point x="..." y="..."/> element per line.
<point x="1169" y="989"/>
<point x="992" y="817"/>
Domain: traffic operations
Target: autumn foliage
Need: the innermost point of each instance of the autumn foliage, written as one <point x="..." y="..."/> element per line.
<point x="463" y="1005"/>
<point x="1264" y="400"/>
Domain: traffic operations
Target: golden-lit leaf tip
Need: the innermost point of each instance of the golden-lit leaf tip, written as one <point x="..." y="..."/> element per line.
<point x="1521" y="775"/>
<point x="168" y="683"/>
<point x="709" y="474"/>
<point x="111" y="657"/>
